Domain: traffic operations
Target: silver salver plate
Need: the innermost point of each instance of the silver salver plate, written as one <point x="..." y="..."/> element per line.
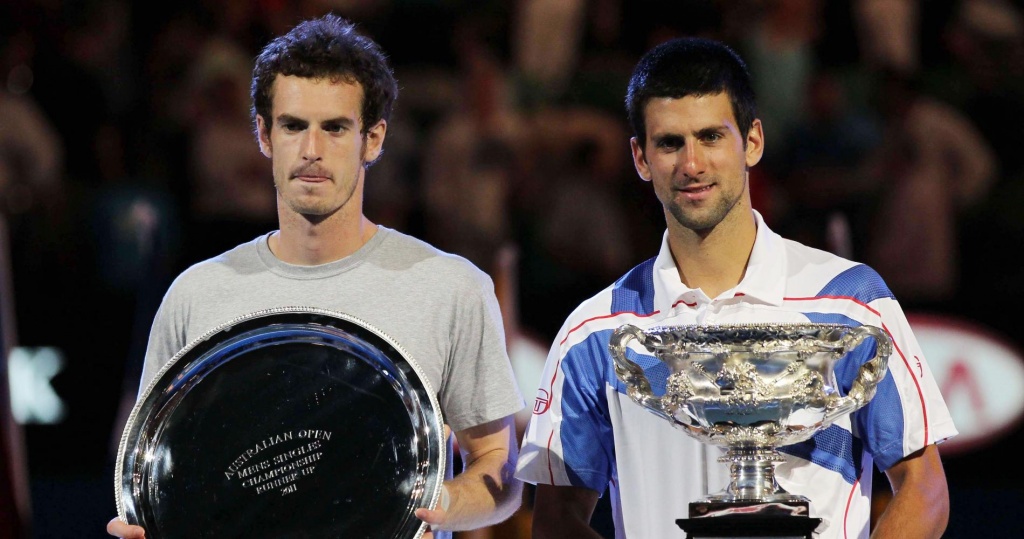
<point x="286" y="423"/>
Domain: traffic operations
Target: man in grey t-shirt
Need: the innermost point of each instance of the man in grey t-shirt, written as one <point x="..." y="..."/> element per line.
<point x="322" y="95"/>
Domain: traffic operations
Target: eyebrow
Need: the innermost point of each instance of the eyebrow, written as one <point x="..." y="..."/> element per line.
<point x="700" y="133"/>
<point x="712" y="130"/>
<point x="341" y="120"/>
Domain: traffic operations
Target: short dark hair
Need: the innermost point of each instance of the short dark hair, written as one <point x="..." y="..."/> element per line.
<point x="327" y="47"/>
<point x="690" y="66"/>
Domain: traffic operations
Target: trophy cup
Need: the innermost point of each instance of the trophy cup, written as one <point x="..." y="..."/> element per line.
<point x="751" y="388"/>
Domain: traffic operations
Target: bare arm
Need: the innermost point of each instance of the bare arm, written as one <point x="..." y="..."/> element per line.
<point x="560" y="512"/>
<point x="485" y="492"/>
<point x="920" y="502"/>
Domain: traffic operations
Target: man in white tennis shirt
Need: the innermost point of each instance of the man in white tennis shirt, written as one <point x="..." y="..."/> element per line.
<point x="696" y="136"/>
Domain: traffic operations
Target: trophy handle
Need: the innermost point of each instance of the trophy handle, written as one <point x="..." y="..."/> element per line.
<point x="637" y="386"/>
<point x="870" y="374"/>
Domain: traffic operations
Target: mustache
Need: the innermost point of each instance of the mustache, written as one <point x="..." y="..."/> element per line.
<point x="310" y="170"/>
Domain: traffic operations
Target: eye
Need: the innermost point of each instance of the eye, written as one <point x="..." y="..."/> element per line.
<point x="713" y="137"/>
<point x="334" y="127"/>
<point x="670" y="143"/>
<point x="292" y="127"/>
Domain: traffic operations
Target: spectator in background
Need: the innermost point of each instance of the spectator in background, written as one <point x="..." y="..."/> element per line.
<point x="470" y="160"/>
<point x="572" y="224"/>
<point x="73" y="49"/>
<point x="985" y="41"/>
<point x="31" y="151"/>
<point x="229" y="192"/>
<point x="930" y="166"/>
<point x="780" y="51"/>
<point x="822" y="184"/>
<point x="547" y="43"/>
<point x="887" y="34"/>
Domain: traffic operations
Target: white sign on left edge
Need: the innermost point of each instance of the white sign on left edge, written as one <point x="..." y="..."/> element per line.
<point x="33" y="399"/>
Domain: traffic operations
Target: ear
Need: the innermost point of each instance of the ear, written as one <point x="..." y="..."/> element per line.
<point x="639" y="161"/>
<point x="374" y="142"/>
<point x="755" y="143"/>
<point x="263" y="136"/>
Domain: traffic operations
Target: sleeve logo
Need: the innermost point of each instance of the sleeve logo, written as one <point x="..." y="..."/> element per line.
<point x="542" y="403"/>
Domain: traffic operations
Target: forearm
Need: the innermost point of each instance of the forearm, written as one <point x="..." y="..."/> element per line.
<point x="911" y="516"/>
<point x="484" y="493"/>
<point x="920" y="504"/>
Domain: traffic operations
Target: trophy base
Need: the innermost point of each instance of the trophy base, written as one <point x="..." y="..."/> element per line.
<point x="748" y="519"/>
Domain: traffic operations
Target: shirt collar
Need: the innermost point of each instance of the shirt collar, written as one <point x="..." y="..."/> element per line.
<point x="763" y="281"/>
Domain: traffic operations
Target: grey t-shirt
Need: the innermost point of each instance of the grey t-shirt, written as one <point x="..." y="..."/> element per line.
<point x="437" y="306"/>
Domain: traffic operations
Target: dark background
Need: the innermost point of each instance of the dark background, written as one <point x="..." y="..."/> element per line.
<point x="136" y="159"/>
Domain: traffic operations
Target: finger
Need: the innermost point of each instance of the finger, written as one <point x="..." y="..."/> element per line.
<point x="119" y="528"/>
<point x="447" y="432"/>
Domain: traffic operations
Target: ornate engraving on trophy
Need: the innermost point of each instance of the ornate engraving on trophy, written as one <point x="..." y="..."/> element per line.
<point x="751" y="388"/>
<point x="278" y="461"/>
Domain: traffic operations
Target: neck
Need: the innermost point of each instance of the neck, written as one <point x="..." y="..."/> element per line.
<point x="714" y="260"/>
<point x="309" y="242"/>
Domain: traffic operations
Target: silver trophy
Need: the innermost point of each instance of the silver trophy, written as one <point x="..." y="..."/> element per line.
<point x="751" y="388"/>
<point x="287" y="423"/>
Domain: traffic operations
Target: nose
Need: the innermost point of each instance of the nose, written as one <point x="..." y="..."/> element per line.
<point x="694" y="162"/>
<point x="311" y="146"/>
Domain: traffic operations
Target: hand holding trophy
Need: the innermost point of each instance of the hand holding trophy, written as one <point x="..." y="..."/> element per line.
<point x="751" y="388"/>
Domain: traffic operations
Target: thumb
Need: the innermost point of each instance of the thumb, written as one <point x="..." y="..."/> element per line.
<point x="434" y="517"/>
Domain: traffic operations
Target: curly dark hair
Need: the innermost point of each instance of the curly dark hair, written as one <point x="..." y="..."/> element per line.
<point x="327" y="47"/>
<point x="690" y="66"/>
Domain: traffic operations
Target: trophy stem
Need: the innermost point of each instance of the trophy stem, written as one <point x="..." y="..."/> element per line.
<point x="752" y="477"/>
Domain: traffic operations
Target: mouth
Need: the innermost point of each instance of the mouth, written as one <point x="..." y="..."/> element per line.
<point x="312" y="176"/>
<point x="696" y="192"/>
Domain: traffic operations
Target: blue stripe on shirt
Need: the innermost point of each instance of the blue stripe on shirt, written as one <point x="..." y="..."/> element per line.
<point x="860" y="282"/>
<point x="588" y="448"/>
<point x="634" y="291"/>
<point x="880" y="423"/>
<point x="834" y="449"/>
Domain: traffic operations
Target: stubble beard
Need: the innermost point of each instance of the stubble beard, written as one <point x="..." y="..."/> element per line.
<point x="316" y="209"/>
<point x="702" y="219"/>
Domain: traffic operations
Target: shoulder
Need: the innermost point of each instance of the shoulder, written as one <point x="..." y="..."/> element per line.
<point x="821" y="273"/>
<point x="221" y="268"/>
<point x="633" y="292"/>
<point x="404" y="253"/>
<point x="629" y="297"/>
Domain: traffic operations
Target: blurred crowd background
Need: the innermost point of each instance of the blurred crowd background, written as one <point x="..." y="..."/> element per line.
<point x="893" y="137"/>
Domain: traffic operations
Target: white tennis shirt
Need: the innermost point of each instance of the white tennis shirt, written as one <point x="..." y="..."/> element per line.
<point x="587" y="432"/>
